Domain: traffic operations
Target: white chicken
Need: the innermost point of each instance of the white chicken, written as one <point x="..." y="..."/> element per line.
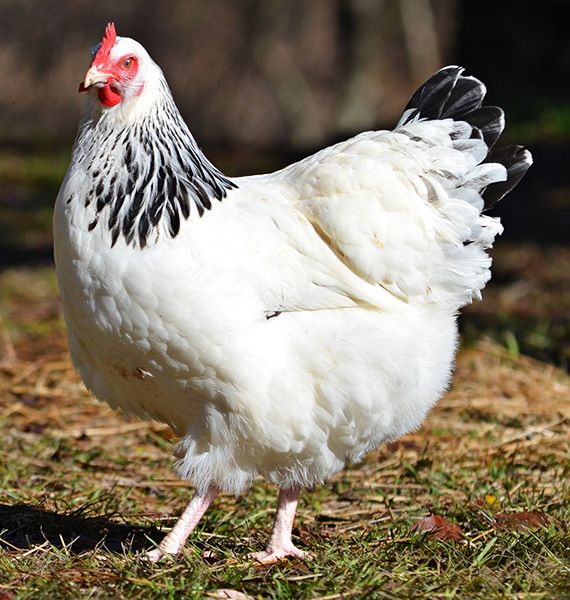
<point x="282" y="324"/>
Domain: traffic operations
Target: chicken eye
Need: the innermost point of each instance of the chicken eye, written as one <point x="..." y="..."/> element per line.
<point x="128" y="63"/>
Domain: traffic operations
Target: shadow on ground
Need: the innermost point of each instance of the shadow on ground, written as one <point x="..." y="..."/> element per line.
<point x="23" y="527"/>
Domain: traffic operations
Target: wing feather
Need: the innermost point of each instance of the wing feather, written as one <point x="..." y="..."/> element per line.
<point x="399" y="208"/>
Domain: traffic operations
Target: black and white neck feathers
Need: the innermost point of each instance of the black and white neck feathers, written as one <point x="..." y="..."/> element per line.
<point x="144" y="173"/>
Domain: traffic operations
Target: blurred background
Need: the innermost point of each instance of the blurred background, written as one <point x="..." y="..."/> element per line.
<point x="265" y="82"/>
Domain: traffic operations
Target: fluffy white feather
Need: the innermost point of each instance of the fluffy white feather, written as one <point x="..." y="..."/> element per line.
<point x="285" y="324"/>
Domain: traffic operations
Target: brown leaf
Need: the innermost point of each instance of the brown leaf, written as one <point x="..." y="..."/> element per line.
<point x="526" y="519"/>
<point x="439" y="528"/>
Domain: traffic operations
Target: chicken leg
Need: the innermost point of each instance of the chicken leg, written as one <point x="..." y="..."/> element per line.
<point x="176" y="538"/>
<point x="280" y="544"/>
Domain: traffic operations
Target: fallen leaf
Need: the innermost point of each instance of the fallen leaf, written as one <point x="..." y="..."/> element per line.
<point x="526" y="519"/>
<point x="439" y="528"/>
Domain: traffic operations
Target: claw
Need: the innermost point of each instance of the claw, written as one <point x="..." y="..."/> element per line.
<point x="271" y="556"/>
<point x="154" y="556"/>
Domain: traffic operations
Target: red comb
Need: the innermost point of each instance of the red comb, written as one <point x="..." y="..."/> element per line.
<point x="107" y="43"/>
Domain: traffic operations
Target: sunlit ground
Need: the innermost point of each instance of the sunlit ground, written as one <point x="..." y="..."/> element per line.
<point x="84" y="490"/>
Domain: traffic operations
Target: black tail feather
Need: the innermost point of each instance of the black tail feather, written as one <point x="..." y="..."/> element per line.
<point x="517" y="160"/>
<point x="465" y="97"/>
<point x="490" y="121"/>
<point x="429" y="100"/>
<point x="450" y="95"/>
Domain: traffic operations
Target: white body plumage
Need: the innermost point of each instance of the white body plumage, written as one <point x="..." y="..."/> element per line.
<point x="307" y="317"/>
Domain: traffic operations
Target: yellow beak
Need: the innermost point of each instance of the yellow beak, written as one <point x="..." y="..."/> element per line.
<point x="93" y="76"/>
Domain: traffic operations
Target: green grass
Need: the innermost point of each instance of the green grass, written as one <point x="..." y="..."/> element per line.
<point x="85" y="491"/>
<point x="374" y="553"/>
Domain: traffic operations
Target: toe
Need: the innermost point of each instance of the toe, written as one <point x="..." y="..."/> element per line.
<point x="154" y="555"/>
<point x="274" y="555"/>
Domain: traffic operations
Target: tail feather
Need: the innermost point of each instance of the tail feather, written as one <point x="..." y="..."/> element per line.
<point x="429" y="100"/>
<point x="450" y="95"/>
<point x="473" y="181"/>
<point x="465" y="97"/>
<point x="517" y="160"/>
<point x="489" y="121"/>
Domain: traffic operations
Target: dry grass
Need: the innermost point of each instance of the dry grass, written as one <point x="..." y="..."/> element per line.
<point x="85" y="489"/>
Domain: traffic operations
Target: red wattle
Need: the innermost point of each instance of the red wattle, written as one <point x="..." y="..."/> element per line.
<point x="108" y="96"/>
